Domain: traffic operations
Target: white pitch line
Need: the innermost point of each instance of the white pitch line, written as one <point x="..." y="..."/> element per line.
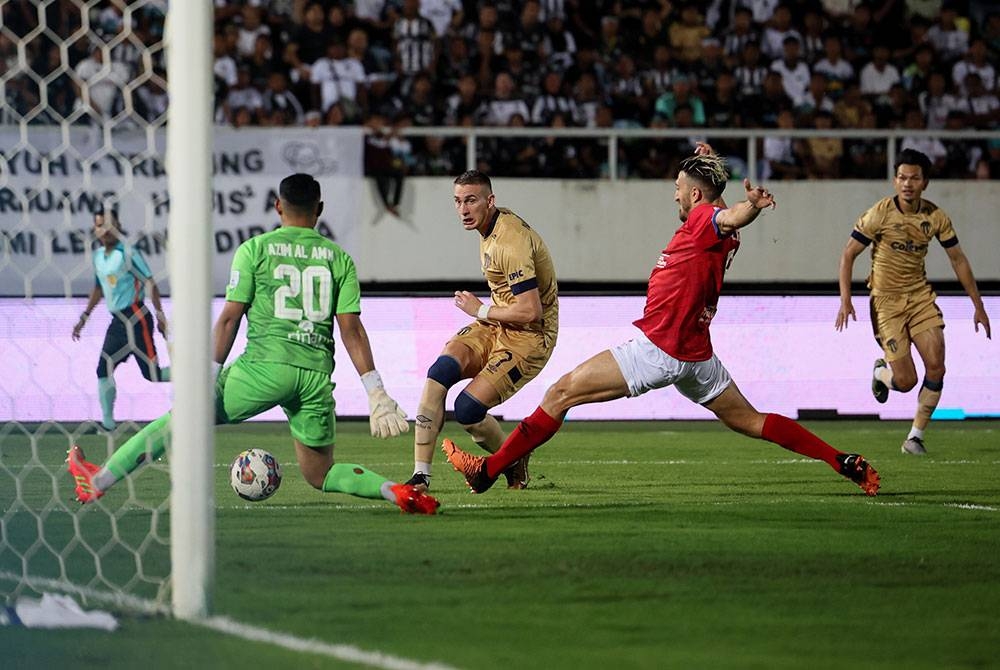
<point x="984" y="508"/>
<point x="113" y="598"/>
<point x="619" y="503"/>
<point x="342" y="652"/>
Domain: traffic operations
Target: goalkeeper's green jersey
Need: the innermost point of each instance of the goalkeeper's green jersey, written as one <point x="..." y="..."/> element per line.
<point x="295" y="281"/>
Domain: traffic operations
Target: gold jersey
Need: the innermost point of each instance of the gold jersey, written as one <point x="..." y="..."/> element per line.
<point x="514" y="260"/>
<point x="900" y="242"/>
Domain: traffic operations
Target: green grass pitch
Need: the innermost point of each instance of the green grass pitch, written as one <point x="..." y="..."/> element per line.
<point x="638" y="545"/>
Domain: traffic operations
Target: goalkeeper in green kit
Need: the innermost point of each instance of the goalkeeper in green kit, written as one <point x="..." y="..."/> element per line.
<point x="291" y="284"/>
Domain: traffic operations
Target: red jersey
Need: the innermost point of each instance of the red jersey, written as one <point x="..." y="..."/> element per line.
<point x="686" y="281"/>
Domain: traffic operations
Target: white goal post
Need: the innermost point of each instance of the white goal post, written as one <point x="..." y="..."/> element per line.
<point x="189" y="168"/>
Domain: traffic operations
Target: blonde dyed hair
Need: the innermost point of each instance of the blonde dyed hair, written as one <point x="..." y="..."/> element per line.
<point x="709" y="171"/>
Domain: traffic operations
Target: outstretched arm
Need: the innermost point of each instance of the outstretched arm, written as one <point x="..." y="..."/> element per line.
<point x="743" y="213"/>
<point x="355" y="339"/>
<point x="224" y="333"/>
<point x="963" y="270"/>
<point x="844" y="273"/>
<point x="385" y="417"/>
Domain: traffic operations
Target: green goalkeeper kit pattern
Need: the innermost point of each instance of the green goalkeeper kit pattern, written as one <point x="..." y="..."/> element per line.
<point x="296" y="281"/>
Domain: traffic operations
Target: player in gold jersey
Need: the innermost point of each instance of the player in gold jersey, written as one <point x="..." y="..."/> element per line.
<point x="903" y="310"/>
<point x="509" y="342"/>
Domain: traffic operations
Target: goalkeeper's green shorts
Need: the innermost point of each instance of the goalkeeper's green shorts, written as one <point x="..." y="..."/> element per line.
<point x="247" y="388"/>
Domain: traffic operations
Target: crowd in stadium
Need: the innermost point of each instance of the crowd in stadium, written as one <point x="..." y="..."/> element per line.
<point x="390" y="64"/>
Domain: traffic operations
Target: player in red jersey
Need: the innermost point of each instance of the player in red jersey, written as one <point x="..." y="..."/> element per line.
<point x="673" y="347"/>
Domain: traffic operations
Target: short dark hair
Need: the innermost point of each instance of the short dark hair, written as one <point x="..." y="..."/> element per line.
<point x="474" y="177"/>
<point x="913" y="157"/>
<point x="709" y="171"/>
<point x="106" y="208"/>
<point x="299" y="191"/>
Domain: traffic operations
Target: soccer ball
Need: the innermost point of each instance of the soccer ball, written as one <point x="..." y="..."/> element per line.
<point x="255" y="475"/>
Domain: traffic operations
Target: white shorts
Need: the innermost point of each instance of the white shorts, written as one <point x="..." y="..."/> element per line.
<point x="646" y="367"/>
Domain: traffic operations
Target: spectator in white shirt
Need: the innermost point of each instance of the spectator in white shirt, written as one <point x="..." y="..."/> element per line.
<point x="782" y="155"/>
<point x="815" y="98"/>
<point x="505" y="102"/>
<point x="225" y="66"/>
<point x="838" y="70"/>
<point x="932" y="147"/>
<point x="983" y="105"/>
<point x="878" y="76"/>
<point x="974" y="61"/>
<point x="772" y="43"/>
<point x="762" y="10"/>
<point x="936" y="102"/>
<point x="281" y="106"/>
<point x="102" y="83"/>
<point x="588" y="99"/>
<point x="793" y="70"/>
<point x="151" y="99"/>
<point x="950" y="41"/>
<point x="339" y="79"/>
<point x="371" y="11"/>
<point x="445" y="15"/>
<point x="839" y="10"/>
<point x="250" y="30"/>
<point x="243" y="96"/>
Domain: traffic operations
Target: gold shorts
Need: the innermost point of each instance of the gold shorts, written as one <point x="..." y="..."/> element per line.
<point x="508" y="359"/>
<point x="896" y="318"/>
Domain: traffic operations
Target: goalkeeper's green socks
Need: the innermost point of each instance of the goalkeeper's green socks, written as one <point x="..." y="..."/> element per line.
<point x="358" y="481"/>
<point x="106" y="393"/>
<point x="147" y="445"/>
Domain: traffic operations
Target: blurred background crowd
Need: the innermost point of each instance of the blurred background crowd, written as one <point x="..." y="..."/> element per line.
<point x="393" y="64"/>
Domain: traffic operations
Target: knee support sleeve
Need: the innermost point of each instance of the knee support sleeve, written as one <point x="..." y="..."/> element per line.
<point x="468" y="410"/>
<point x="932" y="385"/>
<point x="445" y="371"/>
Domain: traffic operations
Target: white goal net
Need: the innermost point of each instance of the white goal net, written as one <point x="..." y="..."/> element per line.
<point x="81" y="129"/>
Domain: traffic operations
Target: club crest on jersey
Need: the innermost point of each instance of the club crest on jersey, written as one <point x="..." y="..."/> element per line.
<point x="925" y="227"/>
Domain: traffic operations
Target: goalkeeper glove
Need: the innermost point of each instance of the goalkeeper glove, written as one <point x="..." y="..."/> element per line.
<point x="385" y="416"/>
